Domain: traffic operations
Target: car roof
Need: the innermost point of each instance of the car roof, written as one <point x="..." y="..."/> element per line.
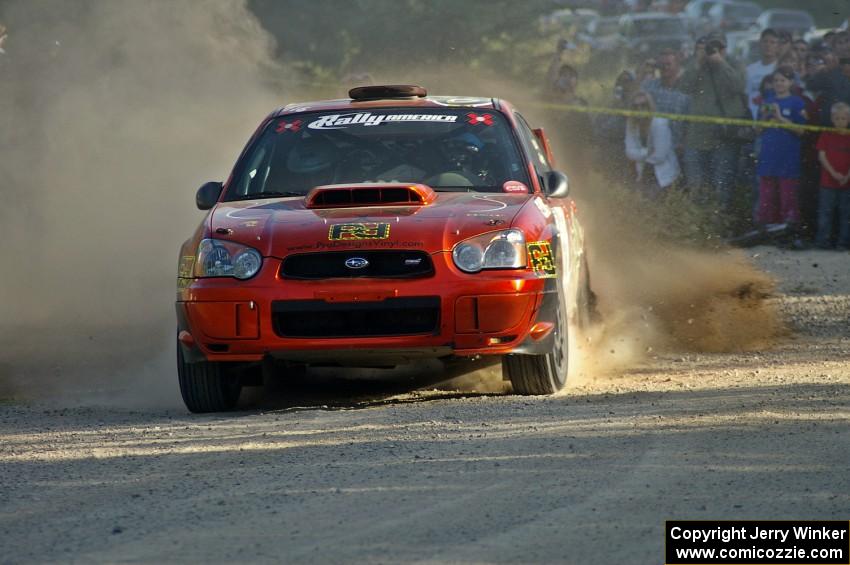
<point x="733" y="3"/>
<point x="347" y="104"/>
<point x="783" y="11"/>
<point x="652" y="16"/>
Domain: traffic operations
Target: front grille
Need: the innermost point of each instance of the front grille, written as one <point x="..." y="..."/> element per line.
<point x="393" y="316"/>
<point x="381" y="264"/>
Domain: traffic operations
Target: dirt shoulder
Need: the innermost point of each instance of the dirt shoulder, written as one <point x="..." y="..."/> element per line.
<point x="446" y="477"/>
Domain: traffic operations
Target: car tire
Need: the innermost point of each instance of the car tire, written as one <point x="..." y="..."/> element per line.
<point x="587" y="312"/>
<point x="207" y="386"/>
<point x="545" y="373"/>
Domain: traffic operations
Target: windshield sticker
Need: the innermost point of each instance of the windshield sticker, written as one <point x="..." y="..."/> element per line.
<point x="514" y="187"/>
<point x="540" y="259"/>
<point x="366" y="230"/>
<point x="341" y="121"/>
<point x="475" y="119"/>
<point x="284" y="126"/>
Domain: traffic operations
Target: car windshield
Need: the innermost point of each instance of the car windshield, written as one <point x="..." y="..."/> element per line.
<point x="466" y="149"/>
<point x="660" y="26"/>
<point x="744" y="11"/>
<point x="606" y="27"/>
<point x="791" y="20"/>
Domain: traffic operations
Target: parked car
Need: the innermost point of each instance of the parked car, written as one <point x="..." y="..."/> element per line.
<point x="383" y="229"/>
<point x="602" y="34"/>
<point x="733" y="16"/>
<point x="649" y="32"/>
<point x="562" y="20"/>
<point x="797" y="22"/>
<point x="696" y="15"/>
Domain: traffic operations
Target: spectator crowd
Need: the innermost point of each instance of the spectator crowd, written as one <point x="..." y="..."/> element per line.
<point x="774" y="177"/>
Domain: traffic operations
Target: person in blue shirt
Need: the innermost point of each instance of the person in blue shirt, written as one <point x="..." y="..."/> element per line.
<point x="779" y="158"/>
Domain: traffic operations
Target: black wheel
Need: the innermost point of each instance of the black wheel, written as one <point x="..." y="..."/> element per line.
<point x="207" y="386"/>
<point x="546" y="373"/>
<point x="586" y="310"/>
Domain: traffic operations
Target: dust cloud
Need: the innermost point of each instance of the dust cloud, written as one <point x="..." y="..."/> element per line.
<point x="656" y="296"/>
<point x="113" y="113"/>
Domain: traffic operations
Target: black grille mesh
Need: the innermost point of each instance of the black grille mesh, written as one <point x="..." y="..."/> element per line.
<point x="393" y="316"/>
<point x="381" y="264"/>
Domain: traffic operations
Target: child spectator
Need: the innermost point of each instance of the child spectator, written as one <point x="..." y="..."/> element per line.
<point x="779" y="157"/>
<point x="649" y="145"/>
<point x="834" y="156"/>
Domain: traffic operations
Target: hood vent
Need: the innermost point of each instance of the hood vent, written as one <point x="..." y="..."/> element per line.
<point x="367" y="194"/>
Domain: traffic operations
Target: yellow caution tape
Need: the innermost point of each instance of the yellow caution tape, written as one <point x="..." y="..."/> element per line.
<point x="685" y="117"/>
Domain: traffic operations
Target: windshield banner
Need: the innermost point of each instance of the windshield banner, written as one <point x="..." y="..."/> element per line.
<point x="340" y="121"/>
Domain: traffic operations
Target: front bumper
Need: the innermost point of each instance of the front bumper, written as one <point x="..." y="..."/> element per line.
<point x="365" y="321"/>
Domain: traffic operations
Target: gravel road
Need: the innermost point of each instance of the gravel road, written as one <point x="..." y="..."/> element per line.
<point x="441" y="476"/>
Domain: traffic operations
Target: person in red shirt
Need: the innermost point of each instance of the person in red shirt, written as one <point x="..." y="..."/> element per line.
<point x="834" y="196"/>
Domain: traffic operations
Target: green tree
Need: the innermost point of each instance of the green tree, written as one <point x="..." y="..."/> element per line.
<point x="346" y="35"/>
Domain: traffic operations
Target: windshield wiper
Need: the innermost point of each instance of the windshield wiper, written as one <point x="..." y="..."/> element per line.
<point x="267" y="194"/>
<point x="482" y="188"/>
<point x="453" y="188"/>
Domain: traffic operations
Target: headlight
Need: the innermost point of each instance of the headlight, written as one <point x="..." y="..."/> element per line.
<point x="494" y="250"/>
<point x="217" y="258"/>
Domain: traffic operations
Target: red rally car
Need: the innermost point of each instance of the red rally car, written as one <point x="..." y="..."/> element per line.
<point x="378" y="230"/>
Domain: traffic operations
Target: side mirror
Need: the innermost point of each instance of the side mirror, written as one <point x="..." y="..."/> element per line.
<point x="556" y="184"/>
<point x="208" y="195"/>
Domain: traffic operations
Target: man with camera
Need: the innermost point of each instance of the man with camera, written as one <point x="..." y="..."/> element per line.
<point x="711" y="150"/>
<point x="833" y="84"/>
<point x="769" y="49"/>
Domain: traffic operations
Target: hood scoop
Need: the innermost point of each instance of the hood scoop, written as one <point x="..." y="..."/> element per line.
<point x="370" y="194"/>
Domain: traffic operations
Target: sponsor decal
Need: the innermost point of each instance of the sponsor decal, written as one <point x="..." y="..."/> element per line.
<point x="543" y="207"/>
<point x="541" y="260"/>
<point x="187" y="263"/>
<point x="514" y="187"/>
<point x="368" y="244"/>
<point x="476" y="119"/>
<point x="498" y="208"/>
<point x="358" y="231"/>
<point x="284" y="126"/>
<point x="341" y="121"/>
<point x="356" y="244"/>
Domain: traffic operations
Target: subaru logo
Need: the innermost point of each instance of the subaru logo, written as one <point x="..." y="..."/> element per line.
<point x="356" y="263"/>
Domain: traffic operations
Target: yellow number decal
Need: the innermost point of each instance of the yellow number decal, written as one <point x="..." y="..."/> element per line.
<point x="353" y="232"/>
<point x="541" y="259"/>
